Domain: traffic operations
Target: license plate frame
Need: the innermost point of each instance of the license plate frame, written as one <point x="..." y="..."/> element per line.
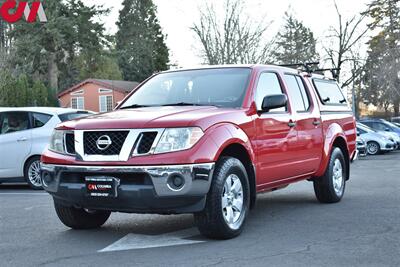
<point x="101" y="186"/>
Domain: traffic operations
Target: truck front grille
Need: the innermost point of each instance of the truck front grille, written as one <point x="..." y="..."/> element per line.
<point x="146" y="141"/>
<point x="90" y="140"/>
<point x="70" y="143"/>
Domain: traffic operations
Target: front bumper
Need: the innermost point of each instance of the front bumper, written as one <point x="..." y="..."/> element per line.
<point x="388" y="146"/>
<point x="146" y="189"/>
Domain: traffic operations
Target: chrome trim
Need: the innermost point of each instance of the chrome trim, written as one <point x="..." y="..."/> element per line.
<point x="159" y="175"/>
<point x="128" y="149"/>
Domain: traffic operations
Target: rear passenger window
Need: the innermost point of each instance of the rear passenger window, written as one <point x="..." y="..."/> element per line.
<point x="268" y="84"/>
<point x="14" y="122"/>
<point x="329" y="92"/>
<point x="39" y="119"/>
<point x="298" y="92"/>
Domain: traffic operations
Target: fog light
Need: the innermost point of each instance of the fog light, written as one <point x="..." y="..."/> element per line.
<point x="46" y="178"/>
<point x="176" y="182"/>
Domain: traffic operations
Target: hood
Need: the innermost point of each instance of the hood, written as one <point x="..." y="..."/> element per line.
<point x="391" y="135"/>
<point x="158" y="117"/>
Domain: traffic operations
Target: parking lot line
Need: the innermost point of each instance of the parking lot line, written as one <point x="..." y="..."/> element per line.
<point x="137" y="241"/>
<point x="27" y="194"/>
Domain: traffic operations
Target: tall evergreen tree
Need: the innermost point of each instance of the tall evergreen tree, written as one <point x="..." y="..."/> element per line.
<point x="47" y="51"/>
<point x="382" y="78"/>
<point x="139" y="41"/>
<point x="295" y="43"/>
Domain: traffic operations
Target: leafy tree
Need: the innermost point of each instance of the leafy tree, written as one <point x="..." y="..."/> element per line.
<point x="47" y="51"/>
<point x="40" y="95"/>
<point x="382" y="76"/>
<point x="105" y="67"/>
<point x="295" y="43"/>
<point x="139" y="41"/>
<point x="7" y="84"/>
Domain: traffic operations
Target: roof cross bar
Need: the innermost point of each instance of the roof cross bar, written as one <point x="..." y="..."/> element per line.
<point x="312" y="67"/>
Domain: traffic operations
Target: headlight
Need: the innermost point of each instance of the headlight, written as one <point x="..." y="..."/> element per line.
<point x="176" y="139"/>
<point x="57" y="142"/>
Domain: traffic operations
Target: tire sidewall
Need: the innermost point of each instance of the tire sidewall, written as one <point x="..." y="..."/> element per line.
<point x="337" y="154"/>
<point x="378" y="148"/>
<point x="26" y="172"/>
<point x="231" y="166"/>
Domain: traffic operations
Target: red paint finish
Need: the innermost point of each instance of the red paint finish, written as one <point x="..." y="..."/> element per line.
<point x="280" y="153"/>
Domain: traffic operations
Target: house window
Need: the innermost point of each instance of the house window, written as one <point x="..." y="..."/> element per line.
<point x="80" y="92"/>
<point x="105" y="103"/>
<point x="103" y="90"/>
<point x="77" y="102"/>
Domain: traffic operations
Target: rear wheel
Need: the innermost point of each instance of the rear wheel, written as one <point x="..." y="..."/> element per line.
<point x="32" y="173"/>
<point x="81" y="218"/>
<point x="228" y="201"/>
<point x="373" y="148"/>
<point x="330" y="187"/>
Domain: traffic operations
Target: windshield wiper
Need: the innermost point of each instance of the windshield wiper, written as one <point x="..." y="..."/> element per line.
<point x="134" y="106"/>
<point x="182" y="104"/>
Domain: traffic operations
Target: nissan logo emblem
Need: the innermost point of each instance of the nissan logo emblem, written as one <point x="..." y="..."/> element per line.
<point x="103" y="142"/>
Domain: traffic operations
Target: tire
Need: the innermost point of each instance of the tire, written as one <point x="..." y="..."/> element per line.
<point x="79" y="218"/>
<point x="32" y="173"/>
<point x="331" y="186"/>
<point x="223" y="218"/>
<point x="373" y="148"/>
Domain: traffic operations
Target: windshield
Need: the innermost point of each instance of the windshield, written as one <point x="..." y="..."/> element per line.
<point x="365" y="128"/>
<point x="391" y="124"/>
<point x="225" y="87"/>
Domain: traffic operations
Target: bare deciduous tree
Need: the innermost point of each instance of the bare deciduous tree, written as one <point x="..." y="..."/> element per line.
<point x="343" y="42"/>
<point x="236" y="39"/>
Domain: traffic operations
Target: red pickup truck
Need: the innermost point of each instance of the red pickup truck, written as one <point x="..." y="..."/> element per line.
<point x="203" y="141"/>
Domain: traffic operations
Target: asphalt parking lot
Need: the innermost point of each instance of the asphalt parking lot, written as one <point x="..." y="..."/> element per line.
<point x="287" y="228"/>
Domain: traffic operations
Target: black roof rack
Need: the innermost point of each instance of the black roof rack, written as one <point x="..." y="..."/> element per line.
<point x="312" y="67"/>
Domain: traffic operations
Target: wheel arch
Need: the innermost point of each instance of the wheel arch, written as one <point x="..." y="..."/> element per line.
<point x="27" y="159"/>
<point x="335" y="137"/>
<point x="341" y="143"/>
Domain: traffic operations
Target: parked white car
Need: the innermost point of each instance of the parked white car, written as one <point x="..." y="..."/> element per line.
<point x="24" y="134"/>
<point x="376" y="142"/>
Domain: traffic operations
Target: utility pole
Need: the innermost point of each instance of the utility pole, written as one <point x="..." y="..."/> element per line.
<point x="353" y="96"/>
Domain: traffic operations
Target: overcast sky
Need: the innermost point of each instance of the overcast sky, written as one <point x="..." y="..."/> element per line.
<point x="176" y="17"/>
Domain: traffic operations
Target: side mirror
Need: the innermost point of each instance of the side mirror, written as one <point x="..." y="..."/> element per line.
<point x="358" y="133"/>
<point x="273" y="102"/>
<point x="387" y="130"/>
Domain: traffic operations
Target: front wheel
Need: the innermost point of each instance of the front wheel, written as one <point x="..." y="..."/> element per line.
<point x="330" y="187"/>
<point x="80" y="218"/>
<point x="227" y="203"/>
<point x="373" y="148"/>
<point x="32" y="173"/>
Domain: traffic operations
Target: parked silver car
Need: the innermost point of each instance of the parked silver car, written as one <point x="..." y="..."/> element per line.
<point x="376" y="142"/>
<point x="361" y="147"/>
<point x="392" y="136"/>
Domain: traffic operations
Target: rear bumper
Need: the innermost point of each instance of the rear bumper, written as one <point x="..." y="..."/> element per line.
<point x="141" y="189"/>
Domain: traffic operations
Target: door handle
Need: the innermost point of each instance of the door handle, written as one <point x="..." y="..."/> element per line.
<point x="316" y="122"/>
<point x="23" y="139"/>
<point x="291" y="124"/>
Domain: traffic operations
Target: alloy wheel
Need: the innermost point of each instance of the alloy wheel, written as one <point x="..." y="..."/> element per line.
<point x="34" y="174"/>
<point x="232" y="202"/>
<point x="338" y="181"/>
<point x="372" y="148"/>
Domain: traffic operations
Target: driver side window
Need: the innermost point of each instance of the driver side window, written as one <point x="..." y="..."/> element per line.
<point x="268" y="84"/>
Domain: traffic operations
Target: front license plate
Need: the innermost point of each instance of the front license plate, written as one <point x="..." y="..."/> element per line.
<point x="101" y="186"/>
